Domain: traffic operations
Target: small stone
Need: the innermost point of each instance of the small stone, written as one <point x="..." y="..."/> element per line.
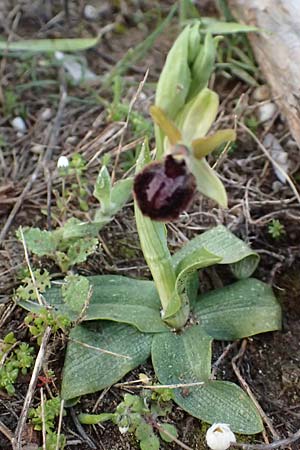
<point x="46" y="114"/>
<point x="19" y="124"/>
<point x="71" y="140"/>
<point x="261" y="93"/>
<point x="266" y="112"/>
<point x="90" y="12"/>
<point x="276" y="186"/>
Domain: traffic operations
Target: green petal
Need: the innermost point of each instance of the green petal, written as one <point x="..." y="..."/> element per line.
<point x="205" y="145"/>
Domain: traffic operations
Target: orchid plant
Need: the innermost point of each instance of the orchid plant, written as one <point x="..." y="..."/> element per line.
<point x="119" y="322"/>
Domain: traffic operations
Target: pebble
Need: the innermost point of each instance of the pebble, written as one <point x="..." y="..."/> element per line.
<point x="266" y="111"/>
<point x="19" y="124"/>
<point x="46" y="114"/>
<point x="90" y="12"/>
<point x="261" y="93"/>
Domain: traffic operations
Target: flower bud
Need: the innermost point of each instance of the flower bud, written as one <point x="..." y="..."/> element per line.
<point x="62" y="162"/>
<point x="219" y="436"/>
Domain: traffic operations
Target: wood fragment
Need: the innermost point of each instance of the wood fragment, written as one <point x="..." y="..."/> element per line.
<point x="277" y="50"/>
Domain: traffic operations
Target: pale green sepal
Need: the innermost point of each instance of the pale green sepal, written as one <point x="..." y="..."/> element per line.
<point x="120" y="194"/>
<point x="198" y="115"/>
<point x="242" y="309"/>
<point x="208" y="182"/>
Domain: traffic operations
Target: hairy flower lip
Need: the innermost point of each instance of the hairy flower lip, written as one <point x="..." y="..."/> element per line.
<point x="164" y="189"/>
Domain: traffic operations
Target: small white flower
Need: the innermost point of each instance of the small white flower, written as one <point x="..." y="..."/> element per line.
<point x="18" y="124"/>
<point x="123" y="430"/>
<point x="62" y="162"/>
<point x="219" y="436"/>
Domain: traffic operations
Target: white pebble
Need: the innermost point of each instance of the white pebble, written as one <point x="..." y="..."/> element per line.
<point x="19" y="124"/>
<point x="90" y="12"/>
<point x="266" y="112"/>
<point x="46" y="114"/>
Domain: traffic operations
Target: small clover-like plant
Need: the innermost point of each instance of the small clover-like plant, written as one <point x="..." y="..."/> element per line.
<point x="47" y="416"/>
<point x="15" y="357"/>
<point x="39" y="321"/>
<point x="139" y="414"/>
<point x="276" y="229"/>
<point x="72" y="243"/>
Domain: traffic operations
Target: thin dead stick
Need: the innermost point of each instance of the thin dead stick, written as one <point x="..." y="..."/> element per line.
<point x="248" y="390"/>
<point x="17" y="441"/>
<point x="38" y="295"/>
<point x="61" y="412"/>
<point x="170" y="435"/>
<point x="220" y="359"/>
<point x="43" y="418"/>
<point x="267" y="154"/>
<point x="161" y="386"/>
<point x="134" y="99"/>
<point x="276" y="444"/>
<point x="6" y="431"/>
<point x="98" y="349"/>
<point x="2" y="361"/>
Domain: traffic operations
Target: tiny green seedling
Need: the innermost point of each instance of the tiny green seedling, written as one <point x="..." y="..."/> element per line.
<point x="276" y="229"/>
<point x="15" y="357"/>
<point x="73" y="242"/>
<point x="140" y="414"/>
<point x="46" y="416"/>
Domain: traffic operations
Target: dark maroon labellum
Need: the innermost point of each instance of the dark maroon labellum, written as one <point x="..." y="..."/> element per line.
<point x="164" y="189"/>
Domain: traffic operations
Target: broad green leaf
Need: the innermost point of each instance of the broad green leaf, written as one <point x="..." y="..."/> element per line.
<point x="198" y="115"/>
<point x="40" y="242"/>
<point x="209" y="25"/>
<point x="79" y="250"/>
<point x="203" y="66"/>
<point x="102" y="189"/>
<point x="89" y="368"/>
<point x="185" y="281"/>
<point x="76" y="292"/>
<point x="74" y="228"/>
<point x="151" y="443"/>
<point x="49" y="45"/>
<point x="186" y="358"/>
<point x="242" y="309"/>
<point x="208" y="182"/>
<point x="119" y="299"/>
<point x="221" y="242"/>
<point x="223" y="402"/>
<point x="171" y="429"/>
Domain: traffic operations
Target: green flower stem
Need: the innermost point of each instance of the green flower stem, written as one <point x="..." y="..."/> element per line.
<point x="94" y="419"/>
<point x="156" y="253"/>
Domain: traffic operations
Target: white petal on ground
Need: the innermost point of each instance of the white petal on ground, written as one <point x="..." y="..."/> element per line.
<point x="219" y="436"/>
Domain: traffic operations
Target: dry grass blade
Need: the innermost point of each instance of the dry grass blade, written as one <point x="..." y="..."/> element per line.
<point x="17" y="441"/>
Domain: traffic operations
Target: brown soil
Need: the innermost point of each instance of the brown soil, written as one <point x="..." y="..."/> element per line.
<point x="271" y="363"/>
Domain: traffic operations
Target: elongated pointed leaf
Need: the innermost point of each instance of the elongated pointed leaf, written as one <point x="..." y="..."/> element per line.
<point x="185" y="359"/>
<point x="209" y="25"/>
<point x="49" y="45"/>
<point x="203" y="66"/>
<point x="208" y="182"/>
<point x="119" y="299"/>
<point x="120" y="194"/>
<point x="221" y="242"/>
<point x="242" y="309"/>
<point x="88" y="365"/>
<point x="165" y="124"/>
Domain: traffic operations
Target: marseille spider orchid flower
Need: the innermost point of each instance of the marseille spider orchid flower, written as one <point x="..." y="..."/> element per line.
<point x="165" y="188"/>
